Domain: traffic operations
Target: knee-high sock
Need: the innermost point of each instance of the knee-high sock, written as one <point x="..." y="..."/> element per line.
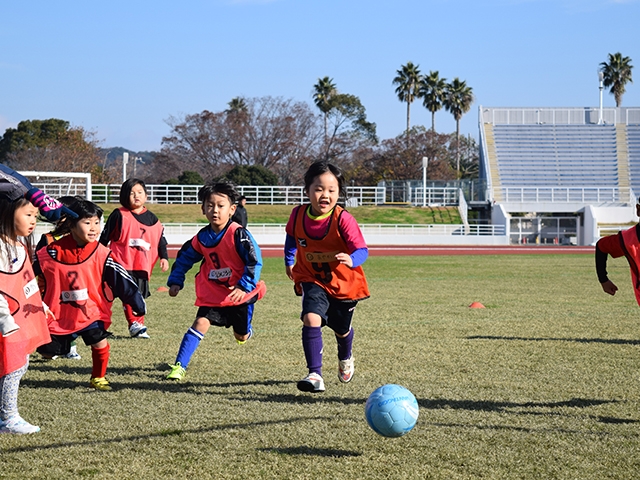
<point x="128" y="314"/>
<point x="190" y="342"/>
<point x="100" y="357"/>
<point x="344" y="345"/>
<point x="312" y="345"/>
<point x="9" y="392"/>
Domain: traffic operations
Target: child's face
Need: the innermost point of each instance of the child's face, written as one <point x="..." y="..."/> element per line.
<point x="218" y="210"/>
<point x="24" y="220"/>
<point x="137" y="197"/>
<point x="86" y="230"/>
<point x="323" y="193"/>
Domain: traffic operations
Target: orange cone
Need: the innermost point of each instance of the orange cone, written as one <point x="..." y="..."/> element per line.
<point x="162" y="289"/>
<point x="476" y="305"/>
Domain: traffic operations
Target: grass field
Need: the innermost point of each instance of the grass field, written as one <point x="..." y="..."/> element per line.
<point x="541" y="384"/>
<point x="280" y="214"/>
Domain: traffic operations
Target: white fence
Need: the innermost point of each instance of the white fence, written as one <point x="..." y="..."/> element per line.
<point x="558" y="116"/>
<point x="374" y="234"/>
<point x="266" y="195"/>
<point x="594" y="195"/>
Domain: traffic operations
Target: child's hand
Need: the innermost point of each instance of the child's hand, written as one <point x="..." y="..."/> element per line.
<point x="344" y="259"/>
<point x="609" y="287"/>
<point x="48" y="314"/>
<point x="174" y="290"/>
<point x="289" y="270"/>
<point x="236" y="295"/>
<point x="164" y="264"/>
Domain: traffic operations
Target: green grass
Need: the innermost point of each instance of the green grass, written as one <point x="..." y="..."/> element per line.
<point x="543" y="383"/>
<point x="280" y="214"/>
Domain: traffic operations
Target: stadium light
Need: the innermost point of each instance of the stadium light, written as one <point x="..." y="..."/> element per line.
<point x="600" y="116"/>
<point x="425" y="162"/>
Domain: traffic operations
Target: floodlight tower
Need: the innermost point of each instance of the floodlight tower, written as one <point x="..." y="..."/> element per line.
<point x="600" y="116"/>
<point x="425" y="163"/>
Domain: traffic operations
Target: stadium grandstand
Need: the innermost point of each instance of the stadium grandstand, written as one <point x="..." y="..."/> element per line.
<point x="560" y="175"/>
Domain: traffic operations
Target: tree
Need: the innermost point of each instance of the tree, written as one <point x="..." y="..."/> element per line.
<point x="408" y="81"/>
<point x="432" y="90"/>
<point x="280" y="135"/>
<point x="50" y="145"/>
<point x="349" y="128"/>
<point x="457" y="100"/>
<point x="237" y="105"/>
<point x="324" y="91"/>
<point x="616" y="74"/>
<point x="254" y="175"/>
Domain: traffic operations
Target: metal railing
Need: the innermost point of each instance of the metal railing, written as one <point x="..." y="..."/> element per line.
<point x="559" y="116"/>
<point x="564" y="195"/>
<point x="265" y="195"/>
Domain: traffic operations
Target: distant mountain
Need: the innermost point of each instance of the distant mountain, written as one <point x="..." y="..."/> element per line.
<point x="114" y="153"/>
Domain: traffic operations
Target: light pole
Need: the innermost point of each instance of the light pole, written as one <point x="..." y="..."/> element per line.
<point x="600" y="116"/>
<point x="425" y="162"/>
<point x="125" y="160"/>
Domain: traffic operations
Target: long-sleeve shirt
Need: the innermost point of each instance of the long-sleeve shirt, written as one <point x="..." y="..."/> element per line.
<point x="246" y="247"/>
<point x="113" y="227"/>
<point x="609" y="245"/>
<point x="122" y="285"/>
<point x="316" y="228"/>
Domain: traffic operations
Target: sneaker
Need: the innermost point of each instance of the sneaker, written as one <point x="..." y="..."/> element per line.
<point x="18" y="425"/>
<point x="311" y="383"/>
<point x="138" y="330"/>
<point x="73" y="354"/>
<point x="100" y="383"/>
<point x="177" y="372"/>
<point x="345" y="370"/>
<point x="242" y="342"/>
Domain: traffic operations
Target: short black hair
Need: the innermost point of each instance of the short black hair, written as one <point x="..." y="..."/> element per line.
<point x="125" y="190"/>
<point x="220" y="188"/>
<point x="318" y="168"/>
<point x="84" y="209"/>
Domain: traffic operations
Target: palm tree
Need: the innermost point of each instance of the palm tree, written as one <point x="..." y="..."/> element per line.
<point x="324" y="90"/>
<point x="237" y="105"/>
<point x="408" y="81"/>
<point x="457" y="100"/>
<point x="432" y="90"/>
<point x="616" y="74"/>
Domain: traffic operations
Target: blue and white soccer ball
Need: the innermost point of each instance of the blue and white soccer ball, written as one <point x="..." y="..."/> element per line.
<point x="391" y="410"/>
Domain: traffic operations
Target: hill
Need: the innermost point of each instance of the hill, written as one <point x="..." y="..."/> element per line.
<point x="280" y="214"/>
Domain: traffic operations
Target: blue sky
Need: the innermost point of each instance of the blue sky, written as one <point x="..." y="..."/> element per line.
<point x="122" y="68"/>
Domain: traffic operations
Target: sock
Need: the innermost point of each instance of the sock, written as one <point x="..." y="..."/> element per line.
<point x="344" y="345"/>
<point x="312" y="345"/>
<point x="190" y="342"/>
<point x="128" y="314"/>
<point x="100" y="357"/>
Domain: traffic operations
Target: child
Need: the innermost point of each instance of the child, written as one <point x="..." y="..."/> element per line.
<point x="136" y="238"/>
<point x="227" y="285"/>
<point x="624" y="243"/>
<point x="46" y="239"/>
<point x="328" y="248"/>
<point x="80" y="280"/>
<point x="23" y="325"/>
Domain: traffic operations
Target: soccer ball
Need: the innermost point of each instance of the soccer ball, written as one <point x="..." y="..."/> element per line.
<point x="391" y="410"/>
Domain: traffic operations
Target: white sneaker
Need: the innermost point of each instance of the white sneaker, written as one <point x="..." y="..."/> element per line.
<point x="311" y="383"/>
<point x="137" y="330"/>
<point x="345" y="370"/>
<point x="18" y="425"/>
<point x="73" y="354"/>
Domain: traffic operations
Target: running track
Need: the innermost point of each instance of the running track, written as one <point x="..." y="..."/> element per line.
<point x="401" y="250"/>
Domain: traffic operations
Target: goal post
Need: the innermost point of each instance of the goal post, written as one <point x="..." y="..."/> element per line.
<point x="60" y="184"/>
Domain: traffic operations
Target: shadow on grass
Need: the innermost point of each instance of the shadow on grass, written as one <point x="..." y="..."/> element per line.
<point x="612" y="341"/>
<point x="163" y="433"/>
<point x="489" y="406"/>
<point x="318" y="452"/>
